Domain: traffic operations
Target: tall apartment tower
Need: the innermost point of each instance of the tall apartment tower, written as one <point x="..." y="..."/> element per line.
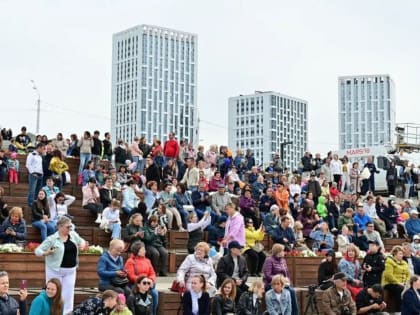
<point x="154" y="84"/>
<point x="263" y="121"/>
<point x="366" y="109"/>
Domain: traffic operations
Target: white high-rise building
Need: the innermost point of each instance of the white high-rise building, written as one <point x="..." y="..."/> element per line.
<point x="366" y="109"/>
<point x="154" y="84"/>
<point x="263" y="121"/>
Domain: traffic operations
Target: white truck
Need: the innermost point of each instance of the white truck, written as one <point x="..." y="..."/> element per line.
<point x="382" y="157"/>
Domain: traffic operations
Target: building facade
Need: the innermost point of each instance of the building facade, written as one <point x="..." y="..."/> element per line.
<point x="154" y="84"/>
<point x="366" y="109"/>
<point x="263" y="121"/>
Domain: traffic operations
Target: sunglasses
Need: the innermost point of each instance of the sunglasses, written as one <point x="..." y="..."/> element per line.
<point x="145" y="283"/>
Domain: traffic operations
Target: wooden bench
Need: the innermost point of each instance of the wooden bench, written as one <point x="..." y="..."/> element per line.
<point x="176" y="257"/>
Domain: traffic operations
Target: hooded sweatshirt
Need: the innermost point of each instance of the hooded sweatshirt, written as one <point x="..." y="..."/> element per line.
<point x="41" y="304"/>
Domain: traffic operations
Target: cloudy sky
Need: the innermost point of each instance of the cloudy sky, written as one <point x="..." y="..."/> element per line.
<point x="298" y="49"/>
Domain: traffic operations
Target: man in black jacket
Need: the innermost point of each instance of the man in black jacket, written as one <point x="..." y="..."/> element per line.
<point x="97" y="148"/>
<point x="233" y="265"/>
<point x="153" y="172"/>
<point x="373" y="265"/>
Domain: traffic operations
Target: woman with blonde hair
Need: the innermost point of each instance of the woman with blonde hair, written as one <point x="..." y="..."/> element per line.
<point x="198" y="263"/>
<point x="250" y="303"/>
<point x="395" y="277"/>
<point x="196" y="301"/>
<point x="350" y="266"/>
<point x="278" y="300"/>
<point x="49" y="301"/>
<point x="224" y="302"/>
<point x="13" y="229"/>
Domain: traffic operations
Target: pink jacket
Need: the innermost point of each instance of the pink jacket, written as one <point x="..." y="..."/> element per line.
<point x="235" y="229"/>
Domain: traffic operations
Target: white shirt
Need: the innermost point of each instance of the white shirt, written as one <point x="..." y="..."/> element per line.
<point x="336" y="167"/>
<point x="34" y="163"/>
<point x="370" y="210"/>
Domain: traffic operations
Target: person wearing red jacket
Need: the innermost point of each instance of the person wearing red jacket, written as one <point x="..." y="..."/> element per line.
<point x="171" y="148"/>
<point x="138" y="265"/>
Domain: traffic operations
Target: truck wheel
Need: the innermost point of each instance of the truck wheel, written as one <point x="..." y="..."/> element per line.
<point x="399" y="191"/>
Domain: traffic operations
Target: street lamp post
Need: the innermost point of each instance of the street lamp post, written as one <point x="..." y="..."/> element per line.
<point x="38" y="105"/>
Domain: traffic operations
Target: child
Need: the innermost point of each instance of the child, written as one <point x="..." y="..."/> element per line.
<point x="13" y="167"/>
<point x="12" y="146"/>
<point x="121" y="308"/>
<point x="321" y="208"/>
<point x="297" y="231"/>
<point x="111" y="219"/>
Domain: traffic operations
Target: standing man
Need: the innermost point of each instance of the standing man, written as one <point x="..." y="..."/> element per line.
<point x="369" y="184"/>
<point x="34" y="166"/>
<point x="97" y="148"/>
<point x="107" y="145"/>
<point x="170" y="149"/>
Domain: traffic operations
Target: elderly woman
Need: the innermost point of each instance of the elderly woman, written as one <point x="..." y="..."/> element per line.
<point x="111" y="269"/>
<point x="250" y="303"/>
<point x="350" y="266"/>
<point x="13" y="229"/>
<point x="276" y="265"/>
<point x="322" y="237"/>
<point x="8" y="305"/>
<point x="195" y="264"/>
<point x="61" y="252"/>
<point x="395" y="277"/>
<point x="278" y="299"/>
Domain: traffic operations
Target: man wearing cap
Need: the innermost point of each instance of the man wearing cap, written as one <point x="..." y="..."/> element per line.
<point x="233" y="265"/>
<point x="373" y="264"/>
<point x="220" y="199"/>
<point x="369" y="300"/>
<point x="412" y="225"/>
<point x="337" y="299"/>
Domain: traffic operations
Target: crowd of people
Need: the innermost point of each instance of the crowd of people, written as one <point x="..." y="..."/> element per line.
<point x="227" y="205"/>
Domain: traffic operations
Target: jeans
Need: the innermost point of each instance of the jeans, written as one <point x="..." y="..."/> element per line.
<point x="155" y="298"/>
<point x="127" y="211"/>
<point x="84" y="158"/>
<point x="35" y="185"/>
<point x="46" y="229"/>
<point x="140" y="166"/>
<point x="116" y="230"/>
<point x="94" y="207"/>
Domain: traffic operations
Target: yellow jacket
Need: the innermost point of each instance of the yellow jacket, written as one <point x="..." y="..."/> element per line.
<point x="252" y="236"/>
<point x="395" y="272"/>
<point x="58" y="166"/>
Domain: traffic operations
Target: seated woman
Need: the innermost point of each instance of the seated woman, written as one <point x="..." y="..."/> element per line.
<point x="196" y="301"/>
<point x="134" y="229"/>
<point x="410" y="298"/>
<point x="248" y="207"/>
<point x="88" y="172"/>
<point x="13" y="229"/>
<point x="309" y="220"/>
<point x="41" y="218"/>
<point x="104" y="303"/>
<point x="277" y="299"/>
<point x="111" y="219"/>
<point x="111" y="269"/>
<point x="58" y="167"/>
<point x="224" y="302"/>
<point x="394" y="277"/>
<point x="168" y="199"/>
<point x="255" y="257"/>
<point x="50" y="188"/>
<point x="182" y="201"/>
<point x="344" y="239"/>
<point x="215" y="181"/>
<point x="350" y="266"/>
<point x="91" y="199"/>
<point x="250" y="303"/>
<point x="140" y="302"/>
<point x="155" y="240"/>
<point x="326" y="270"/>
<point x="195" y="229"/>
<point x="122" y="175"/>
<point x="164" y="216"/>
<point x="138" y="265"/>
<point x="49" y="301"/>
<point x="276" y="265"/>
<point x="195" y="264"/>
<point x="58" y="204"/>
<point x="322" y="238"/>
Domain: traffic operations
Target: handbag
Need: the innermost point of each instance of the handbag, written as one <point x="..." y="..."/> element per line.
<point x="119" y="282"/>
<point x="258" y="247"/>
<point x="175" y="287"/>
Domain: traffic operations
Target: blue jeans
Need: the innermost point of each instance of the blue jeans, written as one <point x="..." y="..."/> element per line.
<point x="140" y="166"/>
<point x="127" y="211"/>
<point x="116" y="230"/>
<point x="155" y="298"/>
<point x="84" y="158"/>
<point x="35" y="185"/>
<point x="46" y="229"/>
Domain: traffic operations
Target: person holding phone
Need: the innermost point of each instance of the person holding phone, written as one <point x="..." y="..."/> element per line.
<point x="61" y="252"/>
<point x="13" y="228"/>
<point x="8" y="305"/>
<point x="49" y="301"/>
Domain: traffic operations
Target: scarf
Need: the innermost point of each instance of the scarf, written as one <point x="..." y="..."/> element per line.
<point x="194" y="299"/>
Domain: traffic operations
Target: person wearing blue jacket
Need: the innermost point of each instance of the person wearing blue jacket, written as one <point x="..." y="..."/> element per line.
<point x="49" y="301"/>
<point x="410" y="299"/>
<point x="412" y="225"/>
<point x="14" y="227"/>
<point x="111" y="266"/>
<point x="361" y="219"/>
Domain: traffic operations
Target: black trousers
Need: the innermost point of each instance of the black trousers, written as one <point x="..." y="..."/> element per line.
<point x="255" y="260"/>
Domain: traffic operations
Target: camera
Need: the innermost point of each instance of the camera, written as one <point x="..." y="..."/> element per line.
<point x="312" y="288"/>
<point x="345" y="310"/>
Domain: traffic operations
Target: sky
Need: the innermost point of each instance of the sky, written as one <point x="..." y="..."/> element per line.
<point x="297" y="48"/>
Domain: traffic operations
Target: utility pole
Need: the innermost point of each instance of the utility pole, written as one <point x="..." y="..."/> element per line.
<point x="38" y="106"/>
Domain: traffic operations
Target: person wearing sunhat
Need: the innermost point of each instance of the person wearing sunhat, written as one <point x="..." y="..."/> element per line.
<point x="412" y="225"/>
<point x="337" y="299"/>
<point x="373" y="264"/>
